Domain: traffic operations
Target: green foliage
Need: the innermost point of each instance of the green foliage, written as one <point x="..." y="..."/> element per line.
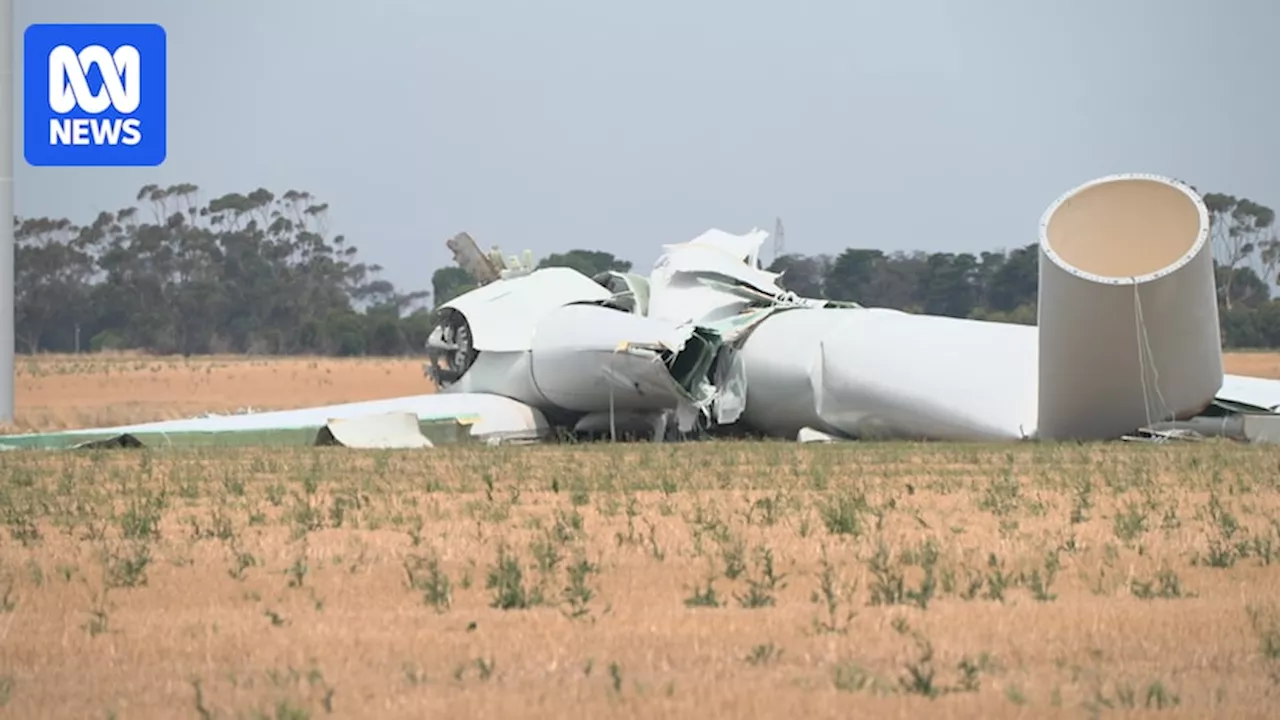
<point x="1002" y="286"/>
<point x="449" y="282"/>
<point x="587" y="262"/>
<point x="260" y="273"/>
<point x="991" y="286"/>
<point x="255" y="273"/>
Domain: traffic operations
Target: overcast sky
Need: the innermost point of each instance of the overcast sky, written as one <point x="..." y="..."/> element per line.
<point x="549" y="125"/>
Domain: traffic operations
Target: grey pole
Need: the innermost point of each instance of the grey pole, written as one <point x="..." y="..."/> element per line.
<point x="7" y="111"/>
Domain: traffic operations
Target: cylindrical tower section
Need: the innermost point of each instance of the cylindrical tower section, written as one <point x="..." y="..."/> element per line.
<point x="1128" y="310"/>
<point x="781" y="355"/>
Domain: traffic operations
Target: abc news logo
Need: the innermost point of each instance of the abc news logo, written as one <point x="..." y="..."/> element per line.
<point x="69" y="89"/>
<point x="94" y="94"/>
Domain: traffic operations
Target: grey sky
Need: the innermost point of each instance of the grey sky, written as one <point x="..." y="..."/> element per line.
<point x="914" y="124"/>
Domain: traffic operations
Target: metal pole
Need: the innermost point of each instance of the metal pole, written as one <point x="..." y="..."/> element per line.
<point x="7" y="111"/>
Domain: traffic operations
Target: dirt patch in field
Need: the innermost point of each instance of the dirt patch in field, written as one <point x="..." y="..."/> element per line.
<point x="1260" y="364"/>
<point x="711" y="580"/>
<point x="58" y="392"/>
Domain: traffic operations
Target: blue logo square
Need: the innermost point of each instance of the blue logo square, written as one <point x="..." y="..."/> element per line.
<point x="94" y="95"/>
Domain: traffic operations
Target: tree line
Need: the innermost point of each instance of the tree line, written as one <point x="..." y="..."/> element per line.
<point x="261" y="273"/>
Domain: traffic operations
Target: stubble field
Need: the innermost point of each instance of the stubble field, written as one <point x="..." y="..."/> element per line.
<point x="724" y="579"/>
<point x="58" y="392"/>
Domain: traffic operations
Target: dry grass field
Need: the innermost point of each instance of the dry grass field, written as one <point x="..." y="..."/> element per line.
<point x="712" y="580"/>
<point x="57" y="392"/>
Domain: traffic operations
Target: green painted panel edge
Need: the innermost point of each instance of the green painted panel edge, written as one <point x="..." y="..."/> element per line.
<point x="440" y="432"/>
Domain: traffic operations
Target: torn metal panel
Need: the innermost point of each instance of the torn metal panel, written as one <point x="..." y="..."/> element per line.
<point x="586" y="358"/>
<point x="1259" y="392"/>
<point x="629" y="290"/>
<point x="735" y="328"/>
<point x="708" y="278"/>
<point x="730" y="379"/>
<point x="395" y="430"/>
<point x="711" y="280"/>
<point x="1159" y="437"/>
<point x="744" y="249"/>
